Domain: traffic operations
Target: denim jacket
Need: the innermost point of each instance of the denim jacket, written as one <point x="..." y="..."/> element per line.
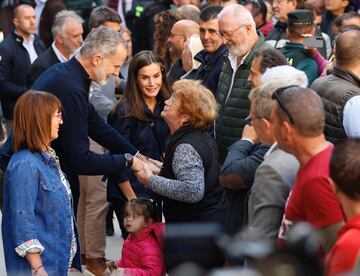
<point x="36" y="206"/>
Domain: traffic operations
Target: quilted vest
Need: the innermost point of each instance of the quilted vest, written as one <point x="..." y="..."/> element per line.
<point x="335" y="90"/>
<point x="234" y="104"/>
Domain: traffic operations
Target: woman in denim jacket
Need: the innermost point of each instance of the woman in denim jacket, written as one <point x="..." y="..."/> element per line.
<point x="38" y="226"/>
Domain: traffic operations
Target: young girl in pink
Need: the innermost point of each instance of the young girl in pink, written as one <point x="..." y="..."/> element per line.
<point x="142" y="250"/>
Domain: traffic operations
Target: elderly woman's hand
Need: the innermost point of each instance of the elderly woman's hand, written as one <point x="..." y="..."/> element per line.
<point x="154" y="165"/>
<point x="144" y="175"/>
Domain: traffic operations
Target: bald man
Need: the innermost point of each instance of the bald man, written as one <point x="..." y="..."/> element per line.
<point x="18" y="50"/>
<point x="179" y="35"/>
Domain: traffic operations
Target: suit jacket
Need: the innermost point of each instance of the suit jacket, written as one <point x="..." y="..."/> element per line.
<point x="44" y="61"/>
<point x="273" y="180"/>
<point x="14" y="70"/>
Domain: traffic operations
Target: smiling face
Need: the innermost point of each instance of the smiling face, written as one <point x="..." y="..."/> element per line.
<point x="72" y="36"/>
<point x="209" y="35"/>
<point x="281" y="8"/>
<point x="171" y="114"/>
<point x="105" y="67"/>
<point x="149" y="80"/>
<point x="56" y="121"/>
<point x="234" y="36"/>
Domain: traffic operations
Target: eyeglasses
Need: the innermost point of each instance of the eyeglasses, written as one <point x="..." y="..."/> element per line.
<point x="170" y="101"/>
<point x="58" y="115"/>
<point x="227" y="35"/>
<point x="277" y="96"/>
<point x="175" y="34"/>
<point x="249" y="119"/>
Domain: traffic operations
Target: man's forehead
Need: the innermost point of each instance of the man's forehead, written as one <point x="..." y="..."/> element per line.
<point x="25" y="11"/>
<point x="212" y="23"/>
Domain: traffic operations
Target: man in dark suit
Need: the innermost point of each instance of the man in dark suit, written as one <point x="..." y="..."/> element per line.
<point x="67" y="31"/>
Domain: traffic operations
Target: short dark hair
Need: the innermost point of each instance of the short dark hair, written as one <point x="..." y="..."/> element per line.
<point x="344" y="167"/>
<point x="103" y="14"/>
<point x="143" y="206"/>
<point x="210" y="13"/>
<point x="340" y="19"/>
<point x="258" y="6"/>
<point x="347" y="49"/>
<point x="270" y="58"/>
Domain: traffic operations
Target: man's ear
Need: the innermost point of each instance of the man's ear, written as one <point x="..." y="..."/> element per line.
<point x="344" y="3"/>
<point x="333" y="186"/>
<point x="287" y="131"/>
<point x="15" y="22"/>
<point x="96" y="59"/>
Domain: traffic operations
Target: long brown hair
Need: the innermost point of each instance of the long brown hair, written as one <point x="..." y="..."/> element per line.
<point x="134" y="102"/>
<point x="32" y="121"/>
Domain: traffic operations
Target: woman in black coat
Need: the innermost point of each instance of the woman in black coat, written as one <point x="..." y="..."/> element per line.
<point x="137" y="118"/>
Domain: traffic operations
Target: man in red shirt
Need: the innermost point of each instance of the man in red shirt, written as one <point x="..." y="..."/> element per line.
<point x="345" y="175"/>
<point x="298" y="119"/>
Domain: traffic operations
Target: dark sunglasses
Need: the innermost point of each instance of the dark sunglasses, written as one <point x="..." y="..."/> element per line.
<point x="277" y="96"/>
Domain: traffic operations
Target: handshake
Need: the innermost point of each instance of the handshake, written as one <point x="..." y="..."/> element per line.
<point x="144" y="167"/>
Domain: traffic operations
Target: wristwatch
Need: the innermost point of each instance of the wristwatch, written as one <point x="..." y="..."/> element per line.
<point x="129" y="159"/>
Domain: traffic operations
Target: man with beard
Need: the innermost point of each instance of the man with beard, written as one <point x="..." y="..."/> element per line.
<point x="237" y="27"/>
<point x="179" y="35"/>
<point x="100" y="57"/>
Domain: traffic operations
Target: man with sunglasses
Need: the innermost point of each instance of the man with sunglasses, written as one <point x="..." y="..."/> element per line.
<point x="238" y="30"/>
<point x="298" y="120"/>
<point x="275" y="176"/>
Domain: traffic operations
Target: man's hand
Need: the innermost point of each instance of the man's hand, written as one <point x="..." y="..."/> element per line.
<point x="138" y="164"/>
<point x="144" y="175"/>
<point x="250" y="133"/>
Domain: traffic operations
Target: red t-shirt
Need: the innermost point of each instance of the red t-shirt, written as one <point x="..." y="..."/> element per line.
<point x="312" y="199"/>
<point x="346" y="251"/>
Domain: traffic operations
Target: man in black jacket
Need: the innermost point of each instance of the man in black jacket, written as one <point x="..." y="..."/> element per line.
<point x="213" y="55"/>
<point x="100" y="57"/>
<point x="17" y="52"/>
<point x="67" y="32"/>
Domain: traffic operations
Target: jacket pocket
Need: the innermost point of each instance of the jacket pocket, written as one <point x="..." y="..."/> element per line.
<point x="51" y="185"/>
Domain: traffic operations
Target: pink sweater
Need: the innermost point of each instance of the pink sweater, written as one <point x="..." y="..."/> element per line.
<point x="142" y="254"/>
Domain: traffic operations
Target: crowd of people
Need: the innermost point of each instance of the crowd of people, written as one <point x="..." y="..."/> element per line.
<point x="241" y="114"/>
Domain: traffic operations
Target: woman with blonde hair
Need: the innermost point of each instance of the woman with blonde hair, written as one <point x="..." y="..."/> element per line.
<point x="189" y="177"/>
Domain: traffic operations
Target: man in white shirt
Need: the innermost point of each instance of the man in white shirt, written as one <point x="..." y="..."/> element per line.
<point x="18" y="50"/>
<point x="67" y="31"/>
